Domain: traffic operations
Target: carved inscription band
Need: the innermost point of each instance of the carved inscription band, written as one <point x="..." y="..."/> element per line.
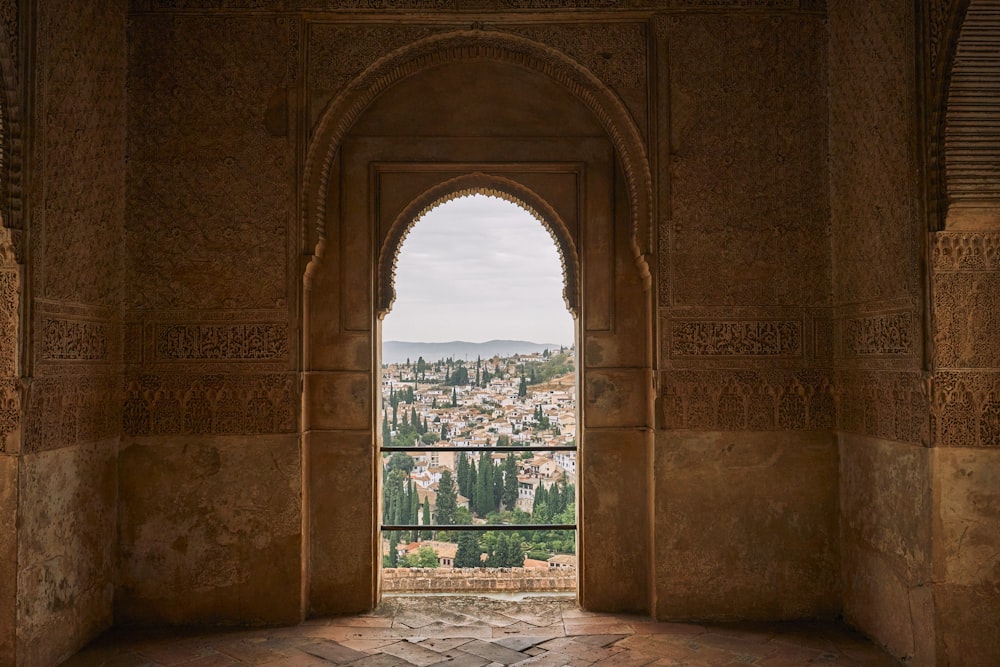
<point x="74" y="340"/>
<point x="267" y="341"/>
<point x="732" y="338"/>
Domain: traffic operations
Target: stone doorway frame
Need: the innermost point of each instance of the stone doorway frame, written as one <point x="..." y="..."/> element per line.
<point x="346" y="182"/>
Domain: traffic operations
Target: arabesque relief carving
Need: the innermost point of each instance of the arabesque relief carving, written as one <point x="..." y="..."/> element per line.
<point x="966" y="251"/>
<point x="81" y="103"/>
<point x="74" y="340"/>
<point x="210" y="404"/>
<point x="746" y="180"/>
<point x="876" y="227"/>
<point x="966" y="290"/>
<point x="966" y="409"/>
<point x="185" y="232"/>
<point x="259" y="341"/>
<point x="693" y="338"/>
<point x="750" y="400"/>
<point x="892" y="405"/>
<point x="63" y="413"/>
<point x="881" y="334"/>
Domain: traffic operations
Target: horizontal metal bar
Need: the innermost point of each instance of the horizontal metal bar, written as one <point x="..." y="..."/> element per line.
<point x="470" y="448"/>
<point x="465" y="526"/>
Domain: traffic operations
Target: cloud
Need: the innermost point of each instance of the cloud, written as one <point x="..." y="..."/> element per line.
<point x="478" y="268"/>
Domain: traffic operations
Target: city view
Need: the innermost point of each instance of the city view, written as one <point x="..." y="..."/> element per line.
<point x="456" y="409"/>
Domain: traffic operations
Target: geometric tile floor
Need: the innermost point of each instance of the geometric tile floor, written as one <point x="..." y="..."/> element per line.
<point x="466" y="631"/>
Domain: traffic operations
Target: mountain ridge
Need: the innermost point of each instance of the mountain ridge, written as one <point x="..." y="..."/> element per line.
<point x="396" y="351"/>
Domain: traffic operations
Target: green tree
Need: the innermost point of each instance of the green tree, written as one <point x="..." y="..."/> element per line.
<point x="459" y="377"/>
<point x="386" y="433"/>
<point x="509" y="497"/>
<point x="483" y="493"/>
<point x="522" y="389"/>
<point x="393" y="549"/>
<point x="454" y="397"/>
<point x="401" y="461"/>
<point x="462" y="474"/>
<point x="424" y="557"/>
<point x="426" y="520"/>
<point x="447" y="502"/>
<point x="468" y="552"/>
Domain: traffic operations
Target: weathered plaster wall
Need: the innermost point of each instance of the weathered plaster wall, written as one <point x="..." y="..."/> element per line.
<point x="75" y="214"/>
<point x="210" y="531"/>
<point x="65" y="549"/>
<point x="8" y="557"/>
<point x="883" y="427"/>
<point x="746" y="525"/>
<point x="745" y="469"/>
<point x="966" y="562"/>
<point x="886" y="533"/>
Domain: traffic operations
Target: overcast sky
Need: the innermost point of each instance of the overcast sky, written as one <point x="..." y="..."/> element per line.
<point x="476" y="269"/>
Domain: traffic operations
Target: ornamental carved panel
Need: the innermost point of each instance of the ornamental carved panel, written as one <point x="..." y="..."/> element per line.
<point x="748" y="175"/>
<point x="883" y="334"/>
<point x="966" y="409"/>
<point x="876" y="225"/>
<point x="892" y="405"/>
<point x="265" y="341"/>
<point x="74" y="340"/>
<point x="735" y="338"/>
<point x="79" y="209"/>
<point x="966" y="290"/>
<point x="750" y="400"/>
<point x="212" y="192"/>
<point x="62" y="412"/>
<point x="253" y="404"/>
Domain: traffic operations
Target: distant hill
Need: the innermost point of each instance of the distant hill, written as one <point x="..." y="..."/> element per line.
<point x="395" y="352"/>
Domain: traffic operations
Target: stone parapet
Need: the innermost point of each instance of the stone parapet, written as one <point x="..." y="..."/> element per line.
<point x="478" y="580"/>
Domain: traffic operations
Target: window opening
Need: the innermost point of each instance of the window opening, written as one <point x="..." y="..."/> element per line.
<point x="478" y="441"/>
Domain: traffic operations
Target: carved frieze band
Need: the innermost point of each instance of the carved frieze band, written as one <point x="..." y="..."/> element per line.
<point x="735" y="338"/>
<point x="891" y="405"/>
<point x="748" y="400"/>
<point x="62" y="412"/>
<point x="966" y="251"/>
<point x="210" y="404"/>
<point x="881" y="334"/>
<point x="74" y="340"/>
<point x="966" y="409"/>
<point x="258" y="341"/>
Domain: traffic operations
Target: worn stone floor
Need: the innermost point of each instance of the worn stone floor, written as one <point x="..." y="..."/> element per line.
<point x="478" y="632"/>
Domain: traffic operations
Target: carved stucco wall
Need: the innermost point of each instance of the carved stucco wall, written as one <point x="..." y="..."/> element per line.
<point x="210" y="341"/>
<point x="877" y="235"/>
<point x="965" y="398"/>
<point x="745" y="337"/>
<point x="76" y="188"/>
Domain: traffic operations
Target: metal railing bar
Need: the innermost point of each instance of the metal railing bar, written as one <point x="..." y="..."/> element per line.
<point x="485" y="527"/>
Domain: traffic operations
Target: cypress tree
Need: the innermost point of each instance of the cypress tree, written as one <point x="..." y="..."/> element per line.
<point x="393" y="553"/>
<point x="447" y="503"/>
<point x="509" y="497"/>
<point x="468" y="551"/>
<point x="426" y="520"/>
<point x="454" y="397"/>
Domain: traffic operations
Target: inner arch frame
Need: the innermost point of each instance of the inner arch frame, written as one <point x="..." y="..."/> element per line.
<point x="464" y="186"/>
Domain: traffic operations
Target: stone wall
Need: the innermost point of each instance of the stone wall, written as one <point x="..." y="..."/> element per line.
<point x="478" y="580"/>
<point x="744" y="284"/>
<point x="67" y="479"/>
<point x="211" y="398"/>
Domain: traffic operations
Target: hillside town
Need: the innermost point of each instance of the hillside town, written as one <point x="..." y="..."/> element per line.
<point x="458" y="407"/>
